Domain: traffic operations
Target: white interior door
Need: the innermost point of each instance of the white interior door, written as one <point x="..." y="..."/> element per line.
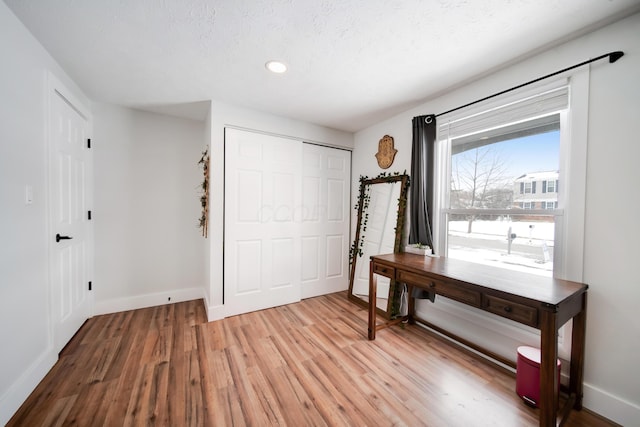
<point x="262" y="253"/>
<point x="325" y="220"/>
<point x="70" y="166"/>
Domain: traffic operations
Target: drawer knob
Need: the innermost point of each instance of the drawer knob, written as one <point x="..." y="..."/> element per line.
<point x="507" y="309"/>
<point x="432" y="285"/>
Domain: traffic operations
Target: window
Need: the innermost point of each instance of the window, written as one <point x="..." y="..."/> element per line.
<point x="497" y="184"/>
<point x="549" y="186"/>
<point x="518" y="118"/>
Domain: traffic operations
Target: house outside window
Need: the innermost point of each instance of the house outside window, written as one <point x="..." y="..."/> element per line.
<point x="540" y="196"/>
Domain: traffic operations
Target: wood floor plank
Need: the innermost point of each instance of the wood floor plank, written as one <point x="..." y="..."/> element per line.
<point x="343" y="391"/>
<point x="215" y="333"/>
<point x="138" y="407"/>
<point x="296" y="405"/>
<point x="102" y="359"/>
<point x="270" y="411"/>
<point x="391" y="405"/>
<point x="195" y="401"/>
<point x="92" y="404"/>
<point x="232" y="412"/>
<point x="308" y="363"/>
<point x="58" y="414"/>
<point x="177" y="387"/>
<point x="126" y="382"/>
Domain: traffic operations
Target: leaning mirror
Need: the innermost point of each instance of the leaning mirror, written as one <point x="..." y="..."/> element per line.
<point x="381" y="211"/>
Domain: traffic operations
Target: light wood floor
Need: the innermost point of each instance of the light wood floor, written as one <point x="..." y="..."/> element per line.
<point x="305" y="364"/>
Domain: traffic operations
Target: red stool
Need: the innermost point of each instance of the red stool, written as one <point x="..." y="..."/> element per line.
<point x="528" y="375"/>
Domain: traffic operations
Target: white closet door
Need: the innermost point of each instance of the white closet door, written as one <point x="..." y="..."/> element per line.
<point x="262" y="249"/>
<point x="325" y="220"/>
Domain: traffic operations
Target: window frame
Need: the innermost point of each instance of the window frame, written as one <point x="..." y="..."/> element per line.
<point x="569" y="214"/>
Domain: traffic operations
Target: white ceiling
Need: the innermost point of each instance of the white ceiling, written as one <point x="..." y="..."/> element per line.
<point x="351" y="62"/>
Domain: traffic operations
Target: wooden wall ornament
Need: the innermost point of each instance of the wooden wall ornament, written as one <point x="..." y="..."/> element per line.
<point x="386" y="152"/>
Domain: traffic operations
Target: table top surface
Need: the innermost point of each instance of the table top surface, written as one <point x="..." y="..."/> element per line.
<point x="547" y="290"/>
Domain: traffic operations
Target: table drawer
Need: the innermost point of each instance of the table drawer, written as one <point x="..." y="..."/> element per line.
<point x="384" y="270"/>
<point x="511" y="310"/>
<point x="449" y="290"/>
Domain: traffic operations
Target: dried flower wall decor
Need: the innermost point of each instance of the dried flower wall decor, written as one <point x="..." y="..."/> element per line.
<point x="203" y="222"/>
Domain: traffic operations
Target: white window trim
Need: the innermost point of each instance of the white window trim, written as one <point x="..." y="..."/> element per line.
<point x="569" y="215"/>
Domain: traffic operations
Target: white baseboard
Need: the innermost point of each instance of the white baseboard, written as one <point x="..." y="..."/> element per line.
<point x="116" y="305"/>
<point x="215" y="312"/>
<point x="612" y="407"/>
<point x="18" y="392"/>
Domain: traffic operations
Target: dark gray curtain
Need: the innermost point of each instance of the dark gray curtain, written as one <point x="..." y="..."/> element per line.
<point x="421" y="189"/>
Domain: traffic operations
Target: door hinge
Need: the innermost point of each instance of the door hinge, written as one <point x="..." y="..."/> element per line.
<point x="89" y="215"/>
<point x="88" y="142"/>
<point x="89" y="285"/>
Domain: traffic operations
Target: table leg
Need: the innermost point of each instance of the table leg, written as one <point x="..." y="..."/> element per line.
<point x="578" y="333"/>
<point x="411" y="308"/>
<point x="372" y="302"/>
<point x="548" y="369"/>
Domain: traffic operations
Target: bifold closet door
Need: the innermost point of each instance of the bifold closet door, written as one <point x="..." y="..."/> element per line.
<point x="262" y="241"/>
<point x="326" y="184"/>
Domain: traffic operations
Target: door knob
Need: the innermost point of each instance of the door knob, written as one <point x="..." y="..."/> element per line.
<point x="59" y="237"/>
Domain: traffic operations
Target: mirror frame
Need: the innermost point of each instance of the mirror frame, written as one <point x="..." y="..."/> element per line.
<point x="355" y="251"/>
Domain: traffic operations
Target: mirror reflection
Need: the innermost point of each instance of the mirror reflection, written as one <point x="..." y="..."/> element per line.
<point x="381" y="212"/>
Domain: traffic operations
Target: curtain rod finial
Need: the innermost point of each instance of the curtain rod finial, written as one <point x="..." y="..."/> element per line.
<point x="614" y="56"/>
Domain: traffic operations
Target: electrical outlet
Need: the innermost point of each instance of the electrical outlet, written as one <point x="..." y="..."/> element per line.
<point x="28" y="194"/>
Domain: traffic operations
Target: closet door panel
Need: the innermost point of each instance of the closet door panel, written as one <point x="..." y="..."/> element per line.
<point x="325" y="221"/>
<point x="262" y="242"/>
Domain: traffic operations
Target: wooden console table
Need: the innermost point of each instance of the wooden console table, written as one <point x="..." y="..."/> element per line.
<point x="540" y="302"/>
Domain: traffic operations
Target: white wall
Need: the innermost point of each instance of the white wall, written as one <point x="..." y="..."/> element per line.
<point x="147" y="204"/>
<point x="612" y="229"/>
<point x="223" y="115"/>
<point x="27" y="352"/>
<point x="612" y="385"/>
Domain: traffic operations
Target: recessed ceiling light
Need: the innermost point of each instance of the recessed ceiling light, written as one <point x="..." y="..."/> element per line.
<point x="276" y="67"/>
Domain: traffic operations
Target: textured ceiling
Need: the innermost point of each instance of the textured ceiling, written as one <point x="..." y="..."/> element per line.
<point x="351" y="62"/>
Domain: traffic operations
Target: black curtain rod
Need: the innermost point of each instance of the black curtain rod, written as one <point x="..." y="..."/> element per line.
<point x="613" y="57"/>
